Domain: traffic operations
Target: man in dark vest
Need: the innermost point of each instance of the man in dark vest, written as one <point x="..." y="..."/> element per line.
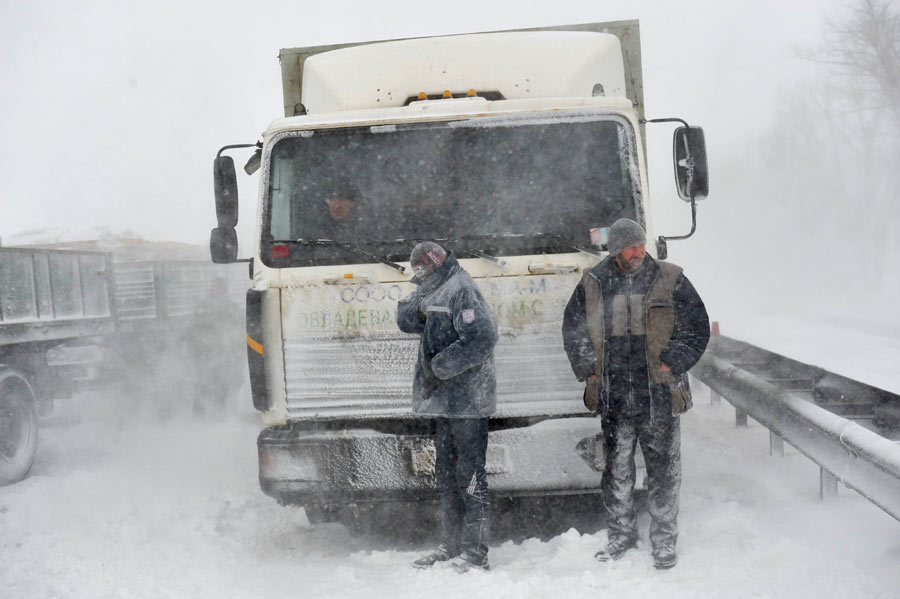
<point x="632" y="329"/>
<point x="455" y="384"/>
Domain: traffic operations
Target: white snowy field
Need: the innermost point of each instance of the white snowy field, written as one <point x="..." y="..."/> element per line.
<point x="863" y="347"/>
<point x="117" y="507"/>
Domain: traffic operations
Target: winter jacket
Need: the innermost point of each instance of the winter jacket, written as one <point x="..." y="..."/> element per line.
<point x="646" y="318"/>
<point x="454" y="374"/>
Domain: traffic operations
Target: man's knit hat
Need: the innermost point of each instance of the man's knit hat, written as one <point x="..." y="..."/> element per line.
<point x="344" y="190"/>
<point x="427" y="255"/>
<point x="624" y="234"/>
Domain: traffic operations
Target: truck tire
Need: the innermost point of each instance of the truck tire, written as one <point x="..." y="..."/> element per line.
<point x="398" y="522"/>
<point x="18" y="425"/>
<point x="413" y="521"/>
<point x="320" y="514"/>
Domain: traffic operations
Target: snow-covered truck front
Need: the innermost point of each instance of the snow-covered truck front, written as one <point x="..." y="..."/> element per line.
<point x="516" y="150"/>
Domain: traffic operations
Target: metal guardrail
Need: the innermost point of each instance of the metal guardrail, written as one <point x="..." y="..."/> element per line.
<point x="845" y="451"/>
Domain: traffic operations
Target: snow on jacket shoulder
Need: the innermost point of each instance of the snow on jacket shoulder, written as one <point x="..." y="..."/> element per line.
<point x="455" y="373"/>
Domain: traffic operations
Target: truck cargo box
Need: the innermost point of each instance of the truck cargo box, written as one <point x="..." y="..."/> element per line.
<point x="54" y="294"/>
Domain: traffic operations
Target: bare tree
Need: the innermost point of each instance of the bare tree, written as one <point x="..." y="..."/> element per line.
<point x="833" y="154"/>
<point x="865" y="48"/>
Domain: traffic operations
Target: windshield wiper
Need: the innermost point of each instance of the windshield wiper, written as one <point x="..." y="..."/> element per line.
<point x="583" y="250"/>
<point x="461" y="241"/>
<point x="566" y="244"/>
<point x="352" y="247"/>
<point x="499" y="262"/>
<point x="559" y="238"/>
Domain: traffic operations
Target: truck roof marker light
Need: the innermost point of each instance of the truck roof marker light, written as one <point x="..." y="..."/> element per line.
<point x="487" y="95"/>
<point x="281" y="250"/>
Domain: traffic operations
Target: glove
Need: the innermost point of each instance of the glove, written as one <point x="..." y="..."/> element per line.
<point x="592" y="391"/>
<point x="420" y="303"/>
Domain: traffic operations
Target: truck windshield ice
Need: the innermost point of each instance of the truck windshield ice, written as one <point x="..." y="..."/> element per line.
<point x="502" y="186"/>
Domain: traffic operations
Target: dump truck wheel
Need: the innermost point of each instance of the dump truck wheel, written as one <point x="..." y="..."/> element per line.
<point x="18" y="426"/>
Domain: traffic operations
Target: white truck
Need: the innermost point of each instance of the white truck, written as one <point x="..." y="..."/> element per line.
<point x="516" y="150"/>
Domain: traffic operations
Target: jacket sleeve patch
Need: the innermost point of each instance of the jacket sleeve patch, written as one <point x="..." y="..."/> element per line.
<point x="468" y="315"/>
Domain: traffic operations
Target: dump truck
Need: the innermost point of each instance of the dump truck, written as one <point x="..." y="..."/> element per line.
<point x="60" y="309"/>
<point x="516" y="150"/>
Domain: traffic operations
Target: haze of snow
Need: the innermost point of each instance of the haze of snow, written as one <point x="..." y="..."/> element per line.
<point x="126" y="106"/>
<point x="866" y="351"/>
<point x="141" y="500"/>
<point x="131" y="498"/>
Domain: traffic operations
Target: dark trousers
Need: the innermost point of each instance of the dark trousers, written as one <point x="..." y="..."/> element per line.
<point x="661" y="445"/>
<point x="461" y="480"/>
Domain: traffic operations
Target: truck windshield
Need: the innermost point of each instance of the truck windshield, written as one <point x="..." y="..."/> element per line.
<point x="499" y="185"/>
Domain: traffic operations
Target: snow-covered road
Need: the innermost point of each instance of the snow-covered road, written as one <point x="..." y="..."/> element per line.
<point x="119" y="508"/>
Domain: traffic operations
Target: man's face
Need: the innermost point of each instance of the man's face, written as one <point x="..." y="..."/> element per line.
<point x="339" y="208"/>
<point x="630" y="259"/>
<point x="421" y="271"/>
<point x="427" y="264"/>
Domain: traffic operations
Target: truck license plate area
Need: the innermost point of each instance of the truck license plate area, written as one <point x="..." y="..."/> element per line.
<point x="422" y="459"/>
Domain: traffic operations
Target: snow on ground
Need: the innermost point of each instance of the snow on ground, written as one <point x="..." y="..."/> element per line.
<point x="118" y="506"/>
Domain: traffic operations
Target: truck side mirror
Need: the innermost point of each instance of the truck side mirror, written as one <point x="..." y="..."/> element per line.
<point x="254" y="162"/>
<point x="223" y="245"/>
<point x="691" y="170"/>
<point x="225" y="185"/>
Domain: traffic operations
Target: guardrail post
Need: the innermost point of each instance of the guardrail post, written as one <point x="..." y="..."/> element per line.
<point x="714" y="397"/>
<point x="776" y="444"/>
<point x="828" y="485"/>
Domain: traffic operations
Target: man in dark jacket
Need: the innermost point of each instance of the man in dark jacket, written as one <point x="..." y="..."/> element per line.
<point x="454" y="384"/>
<point x="632" y="329"/>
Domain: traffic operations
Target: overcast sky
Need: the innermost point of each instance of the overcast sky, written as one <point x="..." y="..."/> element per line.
<point x="112" y="112"/>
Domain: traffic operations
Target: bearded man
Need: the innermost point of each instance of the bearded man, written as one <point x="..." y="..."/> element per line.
<point x="632" y="329"/>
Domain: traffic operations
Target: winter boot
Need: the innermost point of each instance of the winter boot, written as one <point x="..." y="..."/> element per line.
<point x="441" y="554"/>
<point x="466" y="562"/>
<point x="616" y="548"/>
<point x="664" y="557"/>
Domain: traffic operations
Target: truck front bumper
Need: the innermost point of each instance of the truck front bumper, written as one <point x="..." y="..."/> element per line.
<point x="303" y="467"/>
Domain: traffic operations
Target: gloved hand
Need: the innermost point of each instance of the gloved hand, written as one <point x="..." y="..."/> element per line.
<point x="592" y="393"/>
<point x="420" y="302"/>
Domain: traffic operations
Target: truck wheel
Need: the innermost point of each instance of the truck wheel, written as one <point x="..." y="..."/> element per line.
<point x="398" y="522"/>
<point x="320" y="514"/>
<point x="18" y="426"/>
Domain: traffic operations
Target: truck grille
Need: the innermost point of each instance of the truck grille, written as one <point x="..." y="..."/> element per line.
<point x="363" y="377"/>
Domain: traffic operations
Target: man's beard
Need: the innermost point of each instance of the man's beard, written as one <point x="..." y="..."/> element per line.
<point x="630" y="267"/>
